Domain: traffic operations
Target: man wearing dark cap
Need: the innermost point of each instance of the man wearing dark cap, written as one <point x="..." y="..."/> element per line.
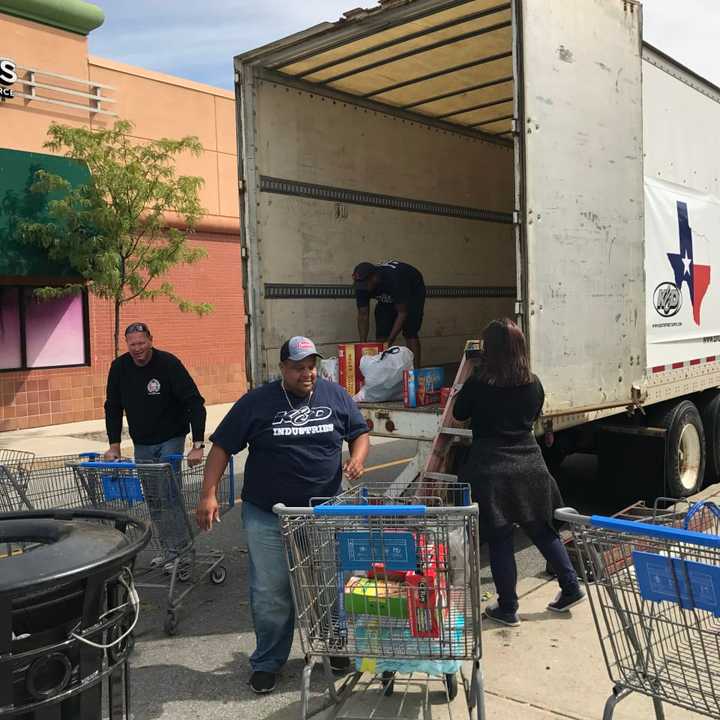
<point x="295" y="428"/>
<point x="161" y="402"/>
<point x="399" y="291"/>
<point x="159" y="398"/>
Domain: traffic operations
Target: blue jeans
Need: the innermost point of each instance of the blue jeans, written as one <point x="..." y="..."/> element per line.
<point x="504" y="570"/>
<point x="165" y="503"/>
<point x="271" y="600"/>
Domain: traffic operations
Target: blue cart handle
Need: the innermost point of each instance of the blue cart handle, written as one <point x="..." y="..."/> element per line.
<point x="369" y="510"/>
<point x="662" y="532"/>
<point x="697" y="507"/>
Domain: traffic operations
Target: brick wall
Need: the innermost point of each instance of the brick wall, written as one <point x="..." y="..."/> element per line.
<point x="211" y="347"/>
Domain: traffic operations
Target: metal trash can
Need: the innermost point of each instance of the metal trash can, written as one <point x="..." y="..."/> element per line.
<point x="68" y="606"/>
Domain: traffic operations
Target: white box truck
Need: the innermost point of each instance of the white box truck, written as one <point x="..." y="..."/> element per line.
<point x="534" y="159"/>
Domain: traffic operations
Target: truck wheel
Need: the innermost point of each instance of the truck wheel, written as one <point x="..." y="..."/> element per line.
<point x="709" y="406"/>
<point x="685" y="448"/>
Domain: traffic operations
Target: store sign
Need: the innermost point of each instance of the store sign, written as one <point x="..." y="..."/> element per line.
<point x="8" y="77"/>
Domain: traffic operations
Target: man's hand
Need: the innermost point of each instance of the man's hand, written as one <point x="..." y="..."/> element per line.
<point x="353" y="469"/>
<point x="208" y="511"/>
<point x="112" y="453"/>
<point x="195" y="456"/>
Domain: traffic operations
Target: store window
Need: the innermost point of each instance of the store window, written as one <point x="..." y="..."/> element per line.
<point x="37" y="333"/>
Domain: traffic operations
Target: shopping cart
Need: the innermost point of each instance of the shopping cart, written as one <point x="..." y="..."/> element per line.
<point x="165" y="496"/>
<point x="28" y="482"/>
<point x="655" y="598"/>
<point x="393" y="586"/>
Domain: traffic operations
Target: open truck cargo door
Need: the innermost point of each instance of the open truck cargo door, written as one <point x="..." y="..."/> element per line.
<point x="579" y="149"/>
<point x="385" y="135"/>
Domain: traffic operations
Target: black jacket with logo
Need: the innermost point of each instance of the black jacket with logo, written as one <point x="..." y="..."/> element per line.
<point x="160" y="400"/>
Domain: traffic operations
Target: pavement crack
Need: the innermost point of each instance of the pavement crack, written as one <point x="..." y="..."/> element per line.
<point x="535" y="706"/>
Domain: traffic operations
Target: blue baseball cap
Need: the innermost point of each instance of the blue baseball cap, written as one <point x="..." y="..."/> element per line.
<point x="298" y="348"/>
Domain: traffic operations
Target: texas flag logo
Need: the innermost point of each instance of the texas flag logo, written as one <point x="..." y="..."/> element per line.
<point x="697" y="277"/>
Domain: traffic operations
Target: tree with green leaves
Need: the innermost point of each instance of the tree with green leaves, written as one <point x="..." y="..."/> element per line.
<point x="118" y="231"/>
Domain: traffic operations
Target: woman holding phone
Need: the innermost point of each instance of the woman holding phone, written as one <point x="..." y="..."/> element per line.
<point x="506" y="470"/>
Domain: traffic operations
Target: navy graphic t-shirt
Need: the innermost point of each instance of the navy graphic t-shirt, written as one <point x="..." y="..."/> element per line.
<point x="295" y="454"/>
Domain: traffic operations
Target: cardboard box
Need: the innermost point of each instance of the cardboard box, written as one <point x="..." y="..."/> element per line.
<point x="374" y="596"/>
<point x="423" y="604"/>
<point x="422" y="386"/>
<point x="349" y="355"/>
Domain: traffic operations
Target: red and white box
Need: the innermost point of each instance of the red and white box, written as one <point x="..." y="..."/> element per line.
<point x="349" y="355"/>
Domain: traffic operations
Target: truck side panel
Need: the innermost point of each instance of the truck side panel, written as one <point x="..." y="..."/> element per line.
<point x="583" y="214"/>
<point x="682" y="223"/>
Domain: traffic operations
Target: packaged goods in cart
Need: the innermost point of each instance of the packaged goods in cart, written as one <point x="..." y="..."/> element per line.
<point x="423" y="605"/>
<point x="422" y="386"/>
<point x="375" y="638"/>
<point x="376" y="596"/>
<point x="427" y="589"/>
<point x="349" y="355"/>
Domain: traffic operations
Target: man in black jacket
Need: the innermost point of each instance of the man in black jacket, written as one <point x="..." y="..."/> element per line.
<point x="159" y="398"/>
<point x="161" y="402"/>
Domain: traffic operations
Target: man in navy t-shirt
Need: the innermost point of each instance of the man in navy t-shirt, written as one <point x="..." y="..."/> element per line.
<point x="295" y="428"/>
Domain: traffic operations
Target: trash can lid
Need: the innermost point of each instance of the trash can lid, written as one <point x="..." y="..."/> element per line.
<point x="49" y="550"/>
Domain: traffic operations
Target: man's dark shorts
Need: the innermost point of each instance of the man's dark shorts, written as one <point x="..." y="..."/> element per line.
<point x="385" y="315"/>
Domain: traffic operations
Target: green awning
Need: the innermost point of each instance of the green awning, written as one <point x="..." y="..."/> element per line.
<point x="75" y="16"/>
<point x="18" y="204"/>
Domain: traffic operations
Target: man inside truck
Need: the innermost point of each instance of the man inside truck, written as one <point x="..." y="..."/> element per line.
<point x="399" y="291"/>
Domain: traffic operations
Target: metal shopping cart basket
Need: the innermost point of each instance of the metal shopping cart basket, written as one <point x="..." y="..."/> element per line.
<point x="393" y="586"/>
<point x="28" y="482"/>
<point x="163" y="495"/>
<point x="655" y="598"/>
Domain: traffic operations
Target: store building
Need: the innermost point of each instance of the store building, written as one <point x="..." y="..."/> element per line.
<point x="54" y="355"/>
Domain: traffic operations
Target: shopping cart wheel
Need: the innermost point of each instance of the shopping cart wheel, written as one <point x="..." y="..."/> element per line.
<point x="171" y="623"/>
<point x="219" y="575"/>
<point x="451" y="682"/>
<point x="184" y="573"/>
<point x="388" y="681"/>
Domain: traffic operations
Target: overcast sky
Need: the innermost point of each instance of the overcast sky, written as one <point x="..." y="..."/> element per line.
<point x="198" y="40"/>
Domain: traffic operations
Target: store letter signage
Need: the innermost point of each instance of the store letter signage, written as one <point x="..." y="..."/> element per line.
<point x="8" y="77"/>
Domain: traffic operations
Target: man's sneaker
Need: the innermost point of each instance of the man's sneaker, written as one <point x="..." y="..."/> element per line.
<point x="562" y="603"/>
<point x="493" y="612"/>
<point x="339" y="663"/>
<point x="263" y="682"/>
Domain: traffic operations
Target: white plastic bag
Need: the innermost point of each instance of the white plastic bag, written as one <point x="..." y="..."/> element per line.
<point x="330" y="370"/>
<point x="384" y="375"/>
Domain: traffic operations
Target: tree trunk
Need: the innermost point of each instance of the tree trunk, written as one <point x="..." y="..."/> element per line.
<point x="117" y="327"/>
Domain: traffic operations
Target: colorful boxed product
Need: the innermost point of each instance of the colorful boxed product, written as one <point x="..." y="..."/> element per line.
<point x="422" y="386"/>
<point x="374" y="596"/>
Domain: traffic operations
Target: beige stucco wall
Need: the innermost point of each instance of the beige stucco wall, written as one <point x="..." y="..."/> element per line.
<point x="158" y="105"/>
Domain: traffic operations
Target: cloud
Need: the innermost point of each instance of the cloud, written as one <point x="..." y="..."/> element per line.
<point x="199" y="40"/>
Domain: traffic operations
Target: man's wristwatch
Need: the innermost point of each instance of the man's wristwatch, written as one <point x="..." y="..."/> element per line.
<point x="198" y="445"/>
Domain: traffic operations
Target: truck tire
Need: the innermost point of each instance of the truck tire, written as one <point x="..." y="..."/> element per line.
<point x="684" y="449"/>
<point x="709" y="406"/>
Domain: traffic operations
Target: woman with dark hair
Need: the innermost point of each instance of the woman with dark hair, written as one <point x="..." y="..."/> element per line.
<point x="506" y="470"/>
